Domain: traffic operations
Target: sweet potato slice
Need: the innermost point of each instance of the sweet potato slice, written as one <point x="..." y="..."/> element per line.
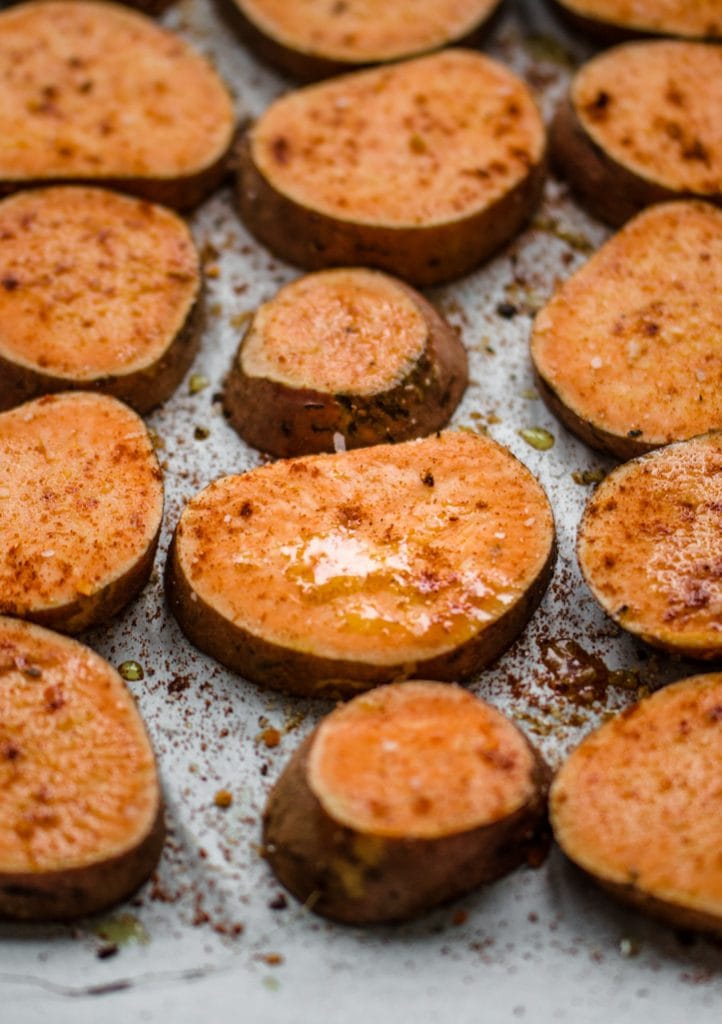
<point x="422" y="168"/>
<point x="97" y="291"/>
<point x="650" y="546"/>
<point x="81" y="503"/>
<point x="82" y="816"/>
<point x="402" y="799"/>
<point x="333" y="573"/>
<point x="641" y="125"/>
<point x="620" y="19"/>
<point x="97" y="93"/>
<point x="638" y="805"/>
<point x="316" y="38"/>
<point x="628" y="352"/>
<point x="349" y="353"/>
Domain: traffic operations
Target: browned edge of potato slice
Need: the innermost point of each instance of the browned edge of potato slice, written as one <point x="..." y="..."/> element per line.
<point x="108" y="97"/>
<point x="626" y="352"/>
<point x="640" y="126"/>
<point x="422" y="168"/>
<point x="637" y="804"/>
<point x="81" y="505"/>
<point x="650" y="546"/>
<point x="123" y="314"/>
<point x="82" y="823"/>
<point x="330" y="574"/>
<point x="403" y="799"/>
<point x="316" y="39"/>
<point x="348" y="354"/>
<point x="615" y="21"/>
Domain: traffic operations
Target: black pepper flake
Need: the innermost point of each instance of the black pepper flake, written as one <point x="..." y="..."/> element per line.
<point x="634" y="433"/>
<point x="507" y="310"/>
<point x="428" y="479"/>
<point x="278" y="902"/>
<point x="106" y="951"/>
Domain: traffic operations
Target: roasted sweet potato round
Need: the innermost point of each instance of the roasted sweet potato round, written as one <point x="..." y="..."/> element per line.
<point x="82" y="816"/>
<point x="402" y="799"/>
<point x="350" y="354"/>
<point x="316" y="38"/>
<point x="628" y="352"/>
<point x="422" y="168"/>
<point x="622" y="19"/>
<point x="650" y="546"/>
<point x="81" y="503"/>
<point x="97" y="93"/>
<point x="97" y="291"/>
<point x="641" y="125"/>
<point x="638" y="805"/>
<point x="333" y="573"/>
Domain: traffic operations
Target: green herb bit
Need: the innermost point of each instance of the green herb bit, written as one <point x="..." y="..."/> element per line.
<point x="198" y="382"/>
<point x="131" y="671"/>
<point x="538" y="438"/>
<point x="588" y="476"/>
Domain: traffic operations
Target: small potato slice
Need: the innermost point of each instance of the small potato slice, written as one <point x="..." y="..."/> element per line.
<point x="97" y="291"/>
<point x="619" y="19"/>
<point x="344" y="353"/>
<point x="422" y="168"/>
<point x="641" y="125"/>
<point x="403" y="799"/>
<point x="81" y="822"/>
<point x="316" y="38"/>
<point x="638" y="804"/>
<point x="81" y="504"/>
<point x="334" y="573"/>
<point x="650" y="546"/>
<point x="628" y="352"/>
<point x="94" y="92"/>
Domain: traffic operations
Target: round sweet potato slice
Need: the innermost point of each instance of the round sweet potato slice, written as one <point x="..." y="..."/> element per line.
<point x="622" y="19"/>
<point x="97" y="291"/>
<point x="650" y="546"/>
<point x="81" y="504"/>
<point x="316" y="38"/>
<point x="82" y="816"/>
<point x="641" y="125"/>
<point x="330" y="574"/>
<point x="94" y="92"/>
<point x="638" y="804"/>
<point x="422" y="168"/>
<point x="628" y="352"/>
<point x="403" y="799"/>
<point x="342" y="353"/>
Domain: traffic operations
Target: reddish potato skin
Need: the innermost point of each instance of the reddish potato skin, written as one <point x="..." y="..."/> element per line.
<point x="307" y="675"/>
<point x="76" y="892"/>
<point x="287" y="421"/>
<point x="421" y="255"/>
<point x="310" y="853"/>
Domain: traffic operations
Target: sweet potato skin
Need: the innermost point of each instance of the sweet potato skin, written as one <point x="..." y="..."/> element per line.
<point x="288" y="421"/>
<point x="391" y="879"/>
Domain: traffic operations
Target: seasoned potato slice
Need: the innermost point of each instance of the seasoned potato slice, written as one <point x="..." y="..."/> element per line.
<point x="618" y="19"/>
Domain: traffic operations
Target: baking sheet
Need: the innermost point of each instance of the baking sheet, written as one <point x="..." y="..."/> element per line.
<point x="208" y="938"/>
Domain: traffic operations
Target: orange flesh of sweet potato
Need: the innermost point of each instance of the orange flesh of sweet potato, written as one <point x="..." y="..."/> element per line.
<point x="653" y="108"/>
<point x="421" y="761"/>
<point x="669" y="17"/>
<point x="419" y="143"/>
<point x="92" y="283"/>
<point x="341" y="331"/>
<point x="650" y="546"/>
<point x="633" y="341"/>
<point x="639" y="805"/>
<point x="81" y="503"/>
<point x="367" y="31"/>
<point x="93" y="91"/>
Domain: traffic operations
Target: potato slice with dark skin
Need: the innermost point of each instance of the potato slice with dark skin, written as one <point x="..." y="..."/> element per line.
<point x="640" y="126"/>
<point x="650" y="546"/>
<point x="82" y="814"/>
<point x="123" y="314"/>
<point x="616" y="20"/>
<point x="422" y="168"/>
<point x="81" y="504"/>
<point x="94" y="92"/>
<point x="637" y="805"/>
<point x="350" y="355"/>
<point x="403" y="799"/>
<point x="330" y="574"/>
<point x="316" y="38"/>
<point x="628" y="352"/>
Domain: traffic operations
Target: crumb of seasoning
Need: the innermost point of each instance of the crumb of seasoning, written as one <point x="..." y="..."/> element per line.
<point x="537" y="437"/>
<point x="196" y="383"/>
<point x="213" y="270"/>
<point x="629" y="946"/>
<point x="460" y="917"/>
<point x="278" y="902"/>
<point x="156" y="440"/>
<point x="271" y="737"/>
<point x="588" y="476"/>
<point x="201" y="433"/>
<point x="507" y="310"/>
<point x="272" y="959"/>
<point x="131" y="671"/>
<point x="107" y="950"/>
<point x="239" y="319"/>
<point x="223" y="798"/>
